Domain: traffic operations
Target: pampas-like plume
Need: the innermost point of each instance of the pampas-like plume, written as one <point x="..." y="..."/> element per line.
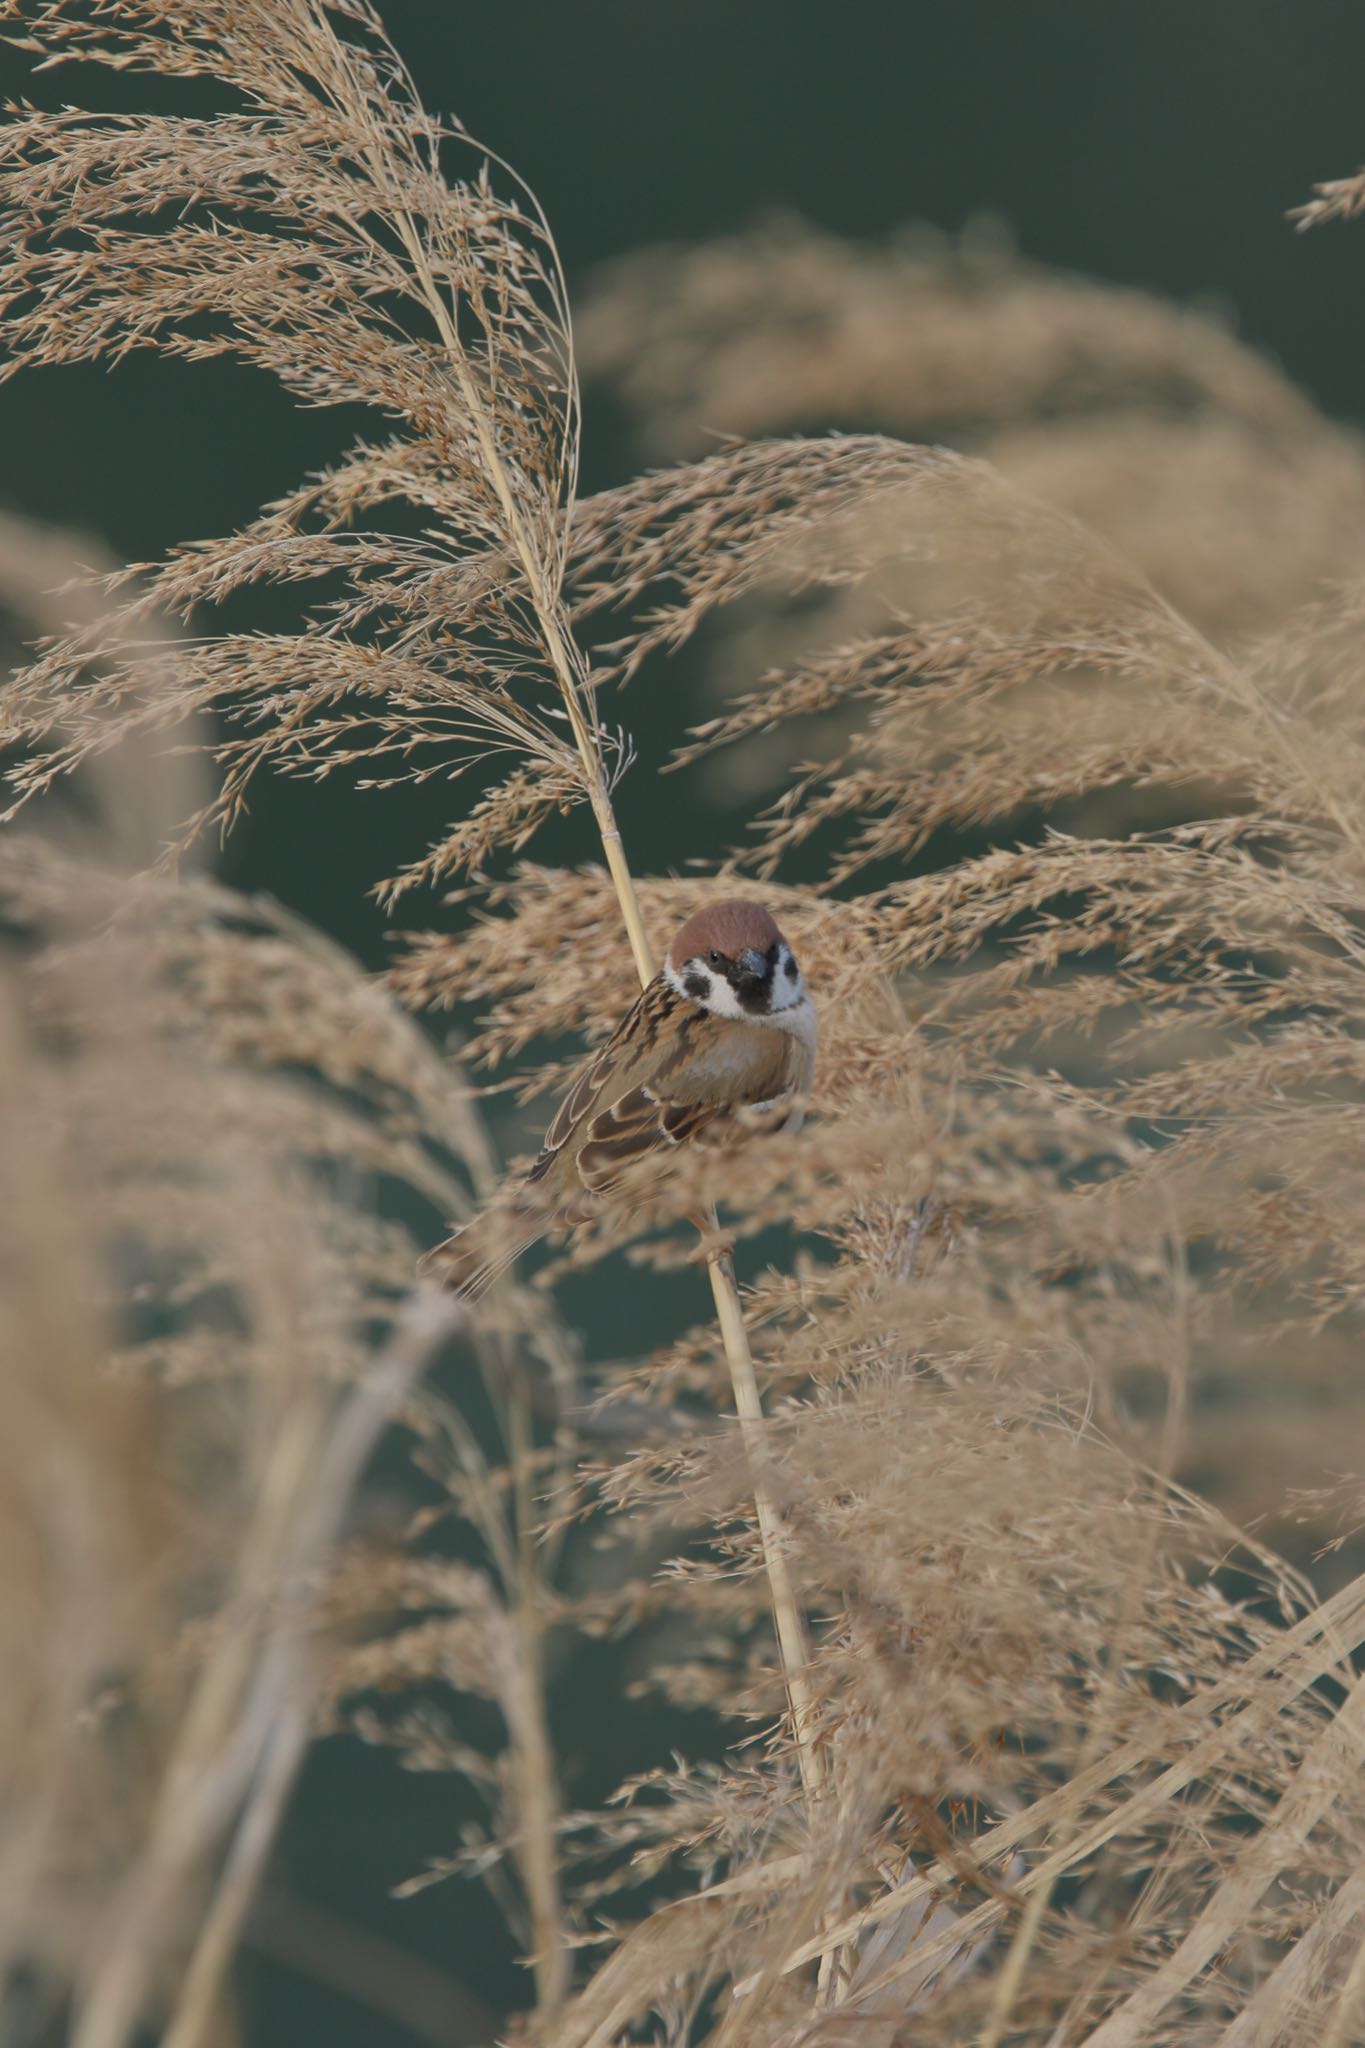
<point x="1071" y="1758"/>
<point x="1154" y="424"/>
<point x="339" y="214"/>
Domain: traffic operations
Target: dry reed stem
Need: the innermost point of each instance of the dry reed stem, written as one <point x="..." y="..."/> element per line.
<point x="1010" y="1981"/>
<point x="570" y="674"/>
<point x="1349" y="2006"/>
<point x="1321" y="1780"/>
<point x="788" y="1622"/>
<point x="212" y="1759"/>
<point x="970" y="1452"/>
<point x="247" y="1727"/>
<point x="221" y="1928"/>
<point x="571" y="678"/>
<point x="791" y="1630"/>
<point x="531" y="1740"/>
<point x="1252" y="1697"/>
<point x="530" y="1736"/>
<point x="1272" y="2003"/>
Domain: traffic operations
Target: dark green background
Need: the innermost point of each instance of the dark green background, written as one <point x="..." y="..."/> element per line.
<point x="1156" y="143"/>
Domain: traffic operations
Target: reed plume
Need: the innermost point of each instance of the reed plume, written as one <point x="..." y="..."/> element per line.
<point x="1053" y="1749"/>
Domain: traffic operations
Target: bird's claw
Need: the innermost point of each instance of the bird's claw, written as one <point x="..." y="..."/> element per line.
<point x="714" y="1244"/>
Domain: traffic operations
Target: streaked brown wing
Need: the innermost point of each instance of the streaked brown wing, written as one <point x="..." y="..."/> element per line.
<point x="668" y="1072"/>
<point x="642" y="1123"/>
<point x="629" y="1055"/>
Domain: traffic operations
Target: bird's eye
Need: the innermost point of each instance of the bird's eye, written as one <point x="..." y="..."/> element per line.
<point x="715" y="958"/>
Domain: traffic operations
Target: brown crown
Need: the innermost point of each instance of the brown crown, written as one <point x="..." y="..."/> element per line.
<point x="728" y="926"/>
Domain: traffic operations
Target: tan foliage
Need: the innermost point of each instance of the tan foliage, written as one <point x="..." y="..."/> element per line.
<point x="1155" y="425"/>
<point x="1077" y="879"/>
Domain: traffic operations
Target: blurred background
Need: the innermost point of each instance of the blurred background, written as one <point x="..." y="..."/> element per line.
<point x="1156" y="147"/>
<point x="1054" y="234"/>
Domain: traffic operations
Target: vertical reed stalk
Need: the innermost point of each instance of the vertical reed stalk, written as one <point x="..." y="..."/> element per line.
<point x="245" y="1730"/>
<point x="571" y="678"/>
<point x="538" y="1795"/>
<point x="792" y="1641"/>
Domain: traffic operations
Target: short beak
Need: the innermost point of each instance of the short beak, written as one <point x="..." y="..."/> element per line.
<point x="752" y="968"/>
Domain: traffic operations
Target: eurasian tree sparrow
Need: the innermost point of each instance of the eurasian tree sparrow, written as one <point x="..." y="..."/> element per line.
<point x="727" y="1026"/>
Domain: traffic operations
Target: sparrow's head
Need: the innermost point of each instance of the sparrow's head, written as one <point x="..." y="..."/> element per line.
<point x="732" y="959"/>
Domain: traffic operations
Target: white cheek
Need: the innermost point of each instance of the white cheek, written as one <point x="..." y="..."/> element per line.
<point x="788" y="994"/>
<point x="720" y="999"/>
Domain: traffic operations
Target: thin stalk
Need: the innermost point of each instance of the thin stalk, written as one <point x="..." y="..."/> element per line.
<point x="220" y="1930"/>
<point x="792" y="1640"/>
<point x="538" y="1793"/>
<point x="566" y="662"/>
<point x="570" y="676"/>
<point x="1267" y="2016"/>
<point x="245" y="1729"/>
<point x="203" y="1778"/>
<point x="1349" y="2005"/>
<point x="1010" y="1981"/>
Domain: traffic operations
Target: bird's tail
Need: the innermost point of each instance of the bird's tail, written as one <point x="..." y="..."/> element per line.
<point x="469" y="1262"/>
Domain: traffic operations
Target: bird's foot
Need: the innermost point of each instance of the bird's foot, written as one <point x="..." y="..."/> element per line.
<point x="714" y="1242"/>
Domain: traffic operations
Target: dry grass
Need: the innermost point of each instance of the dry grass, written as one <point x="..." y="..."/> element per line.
<point x="1216" y="478"/>
<point x="1078" y="874"/>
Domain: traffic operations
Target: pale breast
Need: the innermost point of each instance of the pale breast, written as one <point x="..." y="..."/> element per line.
<point x="733" y="1062"/>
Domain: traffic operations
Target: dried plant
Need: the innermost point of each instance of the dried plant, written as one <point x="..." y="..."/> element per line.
<point x="1152" y="424"/>
<point x="188" y="1211"/>
<point x="1334" y="199"/>
<point x="345" y="166"/>
<point x="1052" y="1751"/>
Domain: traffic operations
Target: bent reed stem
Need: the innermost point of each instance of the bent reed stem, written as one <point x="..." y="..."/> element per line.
<point x="571" y="679"/>
<point x="793" y="1641"/>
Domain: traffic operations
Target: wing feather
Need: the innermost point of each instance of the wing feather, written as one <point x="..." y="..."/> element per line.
<point x="640" y="1124"/>
<point x="669" y="1073"/>
<point x="616" y="1067"/>
<point x="639" y="1094"/>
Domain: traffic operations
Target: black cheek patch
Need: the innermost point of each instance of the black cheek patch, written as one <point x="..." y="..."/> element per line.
<point x="697" y="986"/>
<point x="793" y="971"/>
